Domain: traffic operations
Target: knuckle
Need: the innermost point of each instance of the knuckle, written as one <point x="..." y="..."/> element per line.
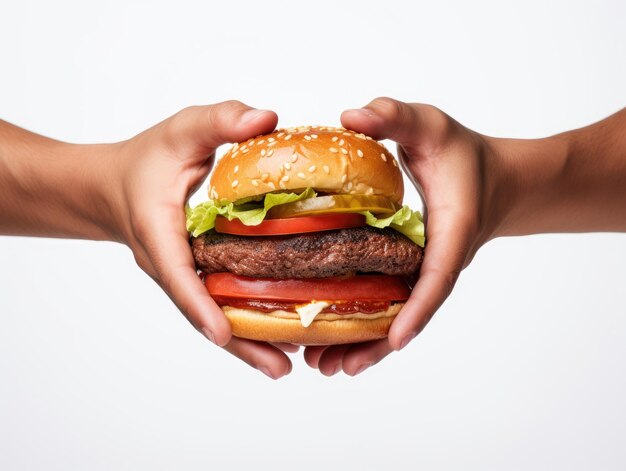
<point x="388" y="108"/>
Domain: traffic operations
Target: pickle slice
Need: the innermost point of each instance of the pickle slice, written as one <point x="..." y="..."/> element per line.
<point x="334" y="204"/>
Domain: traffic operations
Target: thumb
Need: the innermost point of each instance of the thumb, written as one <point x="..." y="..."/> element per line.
<point x="409" y="124"/>
<point x="201" y="129"/>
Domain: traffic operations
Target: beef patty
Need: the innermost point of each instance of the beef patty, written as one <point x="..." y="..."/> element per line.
<point x="311" y="255"/>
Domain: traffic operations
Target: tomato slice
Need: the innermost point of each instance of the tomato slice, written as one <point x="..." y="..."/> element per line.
<point x="353" y="288"/>
<point x="296" y="225"/>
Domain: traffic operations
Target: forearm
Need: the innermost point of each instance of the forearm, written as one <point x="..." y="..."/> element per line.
<point x="52" y="189"/>
<point x="571" y="182"/>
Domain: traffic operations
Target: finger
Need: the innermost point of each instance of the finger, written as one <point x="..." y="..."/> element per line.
<point x="172" y="259"/>
<point x="448" y="245"/>
<point x="262" y="356"/>
<point x="286" y="347"/>
<point x="330" y="361"/>
<point x="203" y="128"/>
<point x="312" y="355"/>
<point x="407" y="124"/>
<point x="362" y="356"/>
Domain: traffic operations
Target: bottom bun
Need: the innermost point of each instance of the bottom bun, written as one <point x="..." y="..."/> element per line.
<point x="326" y="329"/>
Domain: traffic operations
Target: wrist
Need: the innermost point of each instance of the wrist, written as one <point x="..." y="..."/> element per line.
<point x="95" y="200"/>
<point x="527" y="183"/>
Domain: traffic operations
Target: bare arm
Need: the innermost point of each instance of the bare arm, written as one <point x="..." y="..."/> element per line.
<point x="51" y="188"/>
<point x="476" y="188"/>
<point x="134" y="192"/>
<point x="571" y="182"/>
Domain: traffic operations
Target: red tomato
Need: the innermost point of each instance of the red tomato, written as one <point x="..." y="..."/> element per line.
<point x="296" y="225"/>
<point x="353" y="288"/>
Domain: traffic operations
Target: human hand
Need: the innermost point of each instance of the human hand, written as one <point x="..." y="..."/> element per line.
<point x="156" y="172"/>
<point x="454" y="172"/>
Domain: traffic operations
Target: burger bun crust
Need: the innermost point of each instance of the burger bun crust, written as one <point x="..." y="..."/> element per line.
<point x="256" y="325"/>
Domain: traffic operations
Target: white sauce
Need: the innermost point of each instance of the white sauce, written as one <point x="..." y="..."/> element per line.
<point x="309" y="311"/>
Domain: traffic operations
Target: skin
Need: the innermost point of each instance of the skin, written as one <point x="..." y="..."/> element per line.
<point x="476" y="188"/>
<point x="139" y="187"/>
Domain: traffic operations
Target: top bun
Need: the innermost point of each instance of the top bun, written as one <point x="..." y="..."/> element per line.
<point x="330" y="160"/>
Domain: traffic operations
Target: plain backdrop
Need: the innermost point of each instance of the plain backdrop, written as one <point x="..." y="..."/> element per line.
<point x="522" y="368"/>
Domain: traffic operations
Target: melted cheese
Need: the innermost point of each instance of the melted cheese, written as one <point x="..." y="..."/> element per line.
<point x="309" y="311"/>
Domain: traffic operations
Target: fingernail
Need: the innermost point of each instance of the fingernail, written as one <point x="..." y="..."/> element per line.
<point x="365" y="112"/>
<point x="251" y="115"/>
<point x="406" y="340"/>
<point x="336" y="370"/>
<point x="362" y="368"/>
<point x="266" y="371"/>
<point x="208" y="334"/>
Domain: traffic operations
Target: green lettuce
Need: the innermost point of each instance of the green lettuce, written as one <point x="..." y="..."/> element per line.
<point x="405" y="221"/>
<point x="201" y="218"/>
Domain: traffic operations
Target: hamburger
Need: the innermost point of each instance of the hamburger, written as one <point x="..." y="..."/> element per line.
<point x="305" y="239"/>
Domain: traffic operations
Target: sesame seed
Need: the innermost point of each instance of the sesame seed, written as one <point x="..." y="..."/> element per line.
<point x="369" y="138"/>
<point x="250" y="144"/>
<point x="261" y="141"/>
<point x="280" y="134"/>
<point x="326" y="169"/>
<point x="384" y="157"/>
<point x="254" y="182"/>
<point x="265" y="177"/>
<point x="314" y="136"/>
<point x="349" y="187"/>
<point x="307" y="137"/>
<point x="341" y="142"/>
<point x="270" y="139"/>
<point x="287" y="137"/>
<point x="395" y="164"/>
<point x="333" y="150"/>
<point x="271" y="185"/>
<point x="244" y="151"/>
<point x="344" y="177"/>
<point x="263" y="152"/>
<point x="285" y="178"/>
<point x="335" y="139"/>
<point x="312" y="168"/>
<point x="270" y="152"/>
<point x="301" y="175"/>
<point x="359" y="152"/>
<point x="346" y="134"/>
<point x="236" y="169"/>
<point x="234" y="154"/>
<point x="344" y="150"/>
<point x="244" y="147"/>
<point x="360" y="136"/>
<point x="272" y="144"/>
<point x="235" y="183"/>
<point x="294" y="157"/>
<point x="287" y="165"/>
<point x="282" y="185"/>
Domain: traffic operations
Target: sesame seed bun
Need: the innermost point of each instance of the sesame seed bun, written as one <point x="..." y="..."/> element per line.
<point x="330" y="160"/>
<point x="326" y="329"/>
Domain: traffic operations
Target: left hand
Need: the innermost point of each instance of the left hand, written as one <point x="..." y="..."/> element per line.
<point x="155" y="172"/>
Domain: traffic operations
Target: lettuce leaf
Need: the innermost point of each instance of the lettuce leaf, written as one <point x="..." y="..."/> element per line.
<point x="202" y="218"/>
<point x="405" y="221"/>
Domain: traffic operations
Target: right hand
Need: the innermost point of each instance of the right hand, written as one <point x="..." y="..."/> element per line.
<point x="453" y="169"/>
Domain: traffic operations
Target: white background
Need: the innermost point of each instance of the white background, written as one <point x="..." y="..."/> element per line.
<point x="523" y="367"/>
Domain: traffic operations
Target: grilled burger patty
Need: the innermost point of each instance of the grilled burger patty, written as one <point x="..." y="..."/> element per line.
<point x="311" y="255"/>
